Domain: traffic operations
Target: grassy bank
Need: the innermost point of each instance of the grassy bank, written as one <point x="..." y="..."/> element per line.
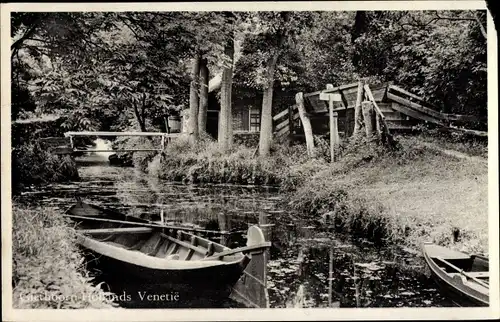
<point x="48" y="270"/>
<point x="406" y="197"/>
<point x="204" y="162"/>
<point x="414" y="194"/>
<point x="32" y="165"/>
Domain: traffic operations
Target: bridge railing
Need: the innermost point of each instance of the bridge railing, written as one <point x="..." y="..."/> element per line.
<point x="164" y="138"/>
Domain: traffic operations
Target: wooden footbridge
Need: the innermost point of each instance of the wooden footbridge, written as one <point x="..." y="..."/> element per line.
<point x="66" y="144"/>
<point x="402" y="111"/>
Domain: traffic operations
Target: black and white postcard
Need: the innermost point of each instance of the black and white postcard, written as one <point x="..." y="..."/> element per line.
<point x="248" y="161"/>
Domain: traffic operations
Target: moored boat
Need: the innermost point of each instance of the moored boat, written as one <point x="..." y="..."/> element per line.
<point x="463" y="277"/>
<point x="152" y="260"/>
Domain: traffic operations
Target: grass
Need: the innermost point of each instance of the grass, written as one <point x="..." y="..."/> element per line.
<point x="406" y="197"/>
<point x="409" y="195"/>
<point x="204" y="162"/>
<point x="48" y="269"/>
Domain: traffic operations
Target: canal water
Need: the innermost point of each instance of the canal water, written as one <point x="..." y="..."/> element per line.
<point x="298" y="268"/>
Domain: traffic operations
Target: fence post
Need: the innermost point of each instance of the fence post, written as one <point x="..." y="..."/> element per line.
<point x="368" y="117"/>
<point x="163" y="137"/>
<point x="290" y="124"/>
<point x="306" y="124"/>
<point x="357" y="109"/>
<point x="334" y="131"/>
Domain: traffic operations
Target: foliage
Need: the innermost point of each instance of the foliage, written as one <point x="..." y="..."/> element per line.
<point x="48" y="270"/>
<point x="440" y="55"/>
<point x="25" y="131"/>
<point x="118" y="70"/>
<point x="206" y="163"/>
<point x="32" y="165"/>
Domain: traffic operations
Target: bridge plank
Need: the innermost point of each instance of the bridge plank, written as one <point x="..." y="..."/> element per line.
<point x="103" y="133"/>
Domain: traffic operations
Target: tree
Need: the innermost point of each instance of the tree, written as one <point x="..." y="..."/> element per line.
<point x="134" y="70"/>
<point x="194" y="99"/>
<point x="439" y="55"/>
<point x="39" y="37"/>
<point x="278" y="29"/>
<point x="225" y="116"/>
<point x="203" y="106"/>
<point x="266" y="124"/>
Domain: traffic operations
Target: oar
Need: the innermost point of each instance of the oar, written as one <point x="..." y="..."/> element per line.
<point x="147" y="224"/>
<point x="239" y="250"/>
<point x="461" y="271"/>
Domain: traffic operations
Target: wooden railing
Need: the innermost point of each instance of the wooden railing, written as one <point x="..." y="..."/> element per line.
<point x="165" y="137"/>
<point x="283" y="121"/>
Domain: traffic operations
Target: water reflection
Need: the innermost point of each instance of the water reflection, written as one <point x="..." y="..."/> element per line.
<point x="298" y="265"/>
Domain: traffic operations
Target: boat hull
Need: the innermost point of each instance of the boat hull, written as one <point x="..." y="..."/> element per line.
<point x="150" y="281"/>
<point x="460" y="294"/>
<point x="143" y="287"/>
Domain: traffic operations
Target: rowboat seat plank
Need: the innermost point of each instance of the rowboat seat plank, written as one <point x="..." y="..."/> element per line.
<point x="479" y="274"/>
<point x="162" y="250"/>
<point x="151" y="244"/>
<point x="184" y="244"/>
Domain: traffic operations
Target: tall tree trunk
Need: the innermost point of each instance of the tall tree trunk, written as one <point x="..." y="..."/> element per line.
<point x="140" y="120"/>
<point x="359" y="27"/>
<point x="202" y="113"/>
<point x="266" y="121"/>
<point x="306" y="124"/>
<point x="193" y="100"/>
<point x="225" y="117"/>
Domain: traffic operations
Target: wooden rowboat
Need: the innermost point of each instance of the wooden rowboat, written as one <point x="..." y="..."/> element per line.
<point x="140" y="255"/>
<point x="465" y="278"/>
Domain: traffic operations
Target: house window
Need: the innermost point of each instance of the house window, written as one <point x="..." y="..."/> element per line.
<point x="254" y="120"/>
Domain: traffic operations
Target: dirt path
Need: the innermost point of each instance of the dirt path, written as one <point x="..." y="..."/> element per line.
<point x="454" y="153"/>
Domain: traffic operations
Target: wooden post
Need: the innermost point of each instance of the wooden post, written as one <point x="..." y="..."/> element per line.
<point x="368" y="118"/>
<point x="336" y="136"/>
<point x="71" y="142"/>
<point x="334" y="133"/>
<point x="377" y="124"/>
<point x="290" y="124"/>
<point x="306" y="124"/>
<point x="330" y="278"/>
<point x="163" y="142"/>
<point x="357" y="109"/>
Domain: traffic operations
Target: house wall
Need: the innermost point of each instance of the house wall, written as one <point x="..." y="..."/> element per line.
<point x="245" y="100"/>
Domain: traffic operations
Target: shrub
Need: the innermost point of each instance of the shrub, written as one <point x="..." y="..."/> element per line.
<point x="205" y="162"/>
<point x="32" y="165"/>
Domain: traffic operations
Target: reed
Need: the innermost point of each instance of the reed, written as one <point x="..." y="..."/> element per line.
<point x="48" y="270"/>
